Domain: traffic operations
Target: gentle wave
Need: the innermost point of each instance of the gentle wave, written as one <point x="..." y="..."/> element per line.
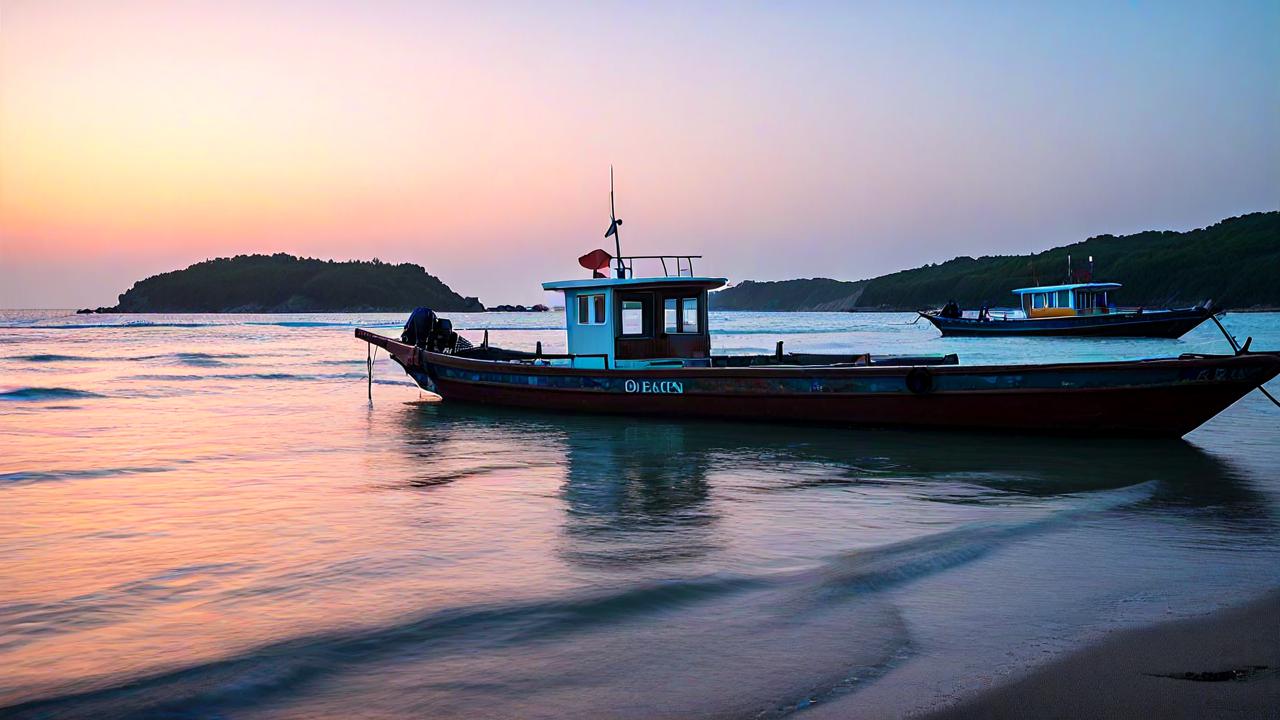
<point x="36" y="394"/>
<point x="192" y="358"/>
<point x="157" y="377"/>
<point x="51" y="357"/>
<point x="27" y="622"/>
<point x="97" y="326"/>
<point x="29" y="476"/>
<point x="255" y="675"/>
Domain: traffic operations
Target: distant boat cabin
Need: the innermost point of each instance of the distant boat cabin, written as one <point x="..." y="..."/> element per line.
<point x="1065" y="300"/>
<point x="637" y="321"/>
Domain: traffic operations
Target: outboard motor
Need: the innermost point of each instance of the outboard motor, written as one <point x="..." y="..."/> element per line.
<point x="445" y="340"/>
<point x="420" y="327"/>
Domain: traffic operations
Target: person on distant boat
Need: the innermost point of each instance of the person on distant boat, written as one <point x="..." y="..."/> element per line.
<point x="983" y="314"/>
<point x="950" y="310"/>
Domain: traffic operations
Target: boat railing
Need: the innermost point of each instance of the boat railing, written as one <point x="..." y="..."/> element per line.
<point x="997" y="314"/>
<point x="539" y="355"/>
<point x="672" y="265"/>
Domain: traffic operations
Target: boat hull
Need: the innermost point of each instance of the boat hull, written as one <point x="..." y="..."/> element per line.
<point x="1149" y="412"/>
<point x="1154" y="324"/>
<point x="1163" y="398"/>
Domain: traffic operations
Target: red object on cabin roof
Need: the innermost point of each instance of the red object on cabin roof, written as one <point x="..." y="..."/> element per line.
<point x="595" y="261"/>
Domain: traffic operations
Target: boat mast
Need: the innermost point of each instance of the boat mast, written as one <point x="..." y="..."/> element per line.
<point x="613" y="228"/>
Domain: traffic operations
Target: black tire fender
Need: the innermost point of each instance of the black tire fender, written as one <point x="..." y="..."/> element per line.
<point x="920" y="381"/>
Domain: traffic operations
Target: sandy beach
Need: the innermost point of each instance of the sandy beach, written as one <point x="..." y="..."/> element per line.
<point x="1223" y="665"/>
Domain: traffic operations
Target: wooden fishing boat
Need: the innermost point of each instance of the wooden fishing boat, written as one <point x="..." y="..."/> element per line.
<point x="1069" y="310"/>
<point x="640" y="346"/>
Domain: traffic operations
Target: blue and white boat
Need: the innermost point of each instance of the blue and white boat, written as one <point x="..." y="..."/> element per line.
<point x="1085" y="309"/>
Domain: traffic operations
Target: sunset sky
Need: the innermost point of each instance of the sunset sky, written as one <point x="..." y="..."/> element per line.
<point x="779" y="140"/>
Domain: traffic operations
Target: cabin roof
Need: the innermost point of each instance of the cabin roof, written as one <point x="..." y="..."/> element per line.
<point x="1073" y="286"/>
<point x="680" y="281"/>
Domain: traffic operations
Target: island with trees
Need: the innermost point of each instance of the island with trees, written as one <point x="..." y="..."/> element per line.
<point x="1235" y="263"/>
<point x="283" y="283"/>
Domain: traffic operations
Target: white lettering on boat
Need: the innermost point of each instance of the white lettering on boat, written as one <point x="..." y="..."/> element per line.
<point x="1223" y="375"/>
<point x="670" y="387"/>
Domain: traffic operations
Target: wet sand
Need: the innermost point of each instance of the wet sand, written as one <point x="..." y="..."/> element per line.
<point x="1204" y="667"/>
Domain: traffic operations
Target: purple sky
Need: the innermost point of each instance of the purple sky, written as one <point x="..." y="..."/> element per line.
<point x="779" y="140"/>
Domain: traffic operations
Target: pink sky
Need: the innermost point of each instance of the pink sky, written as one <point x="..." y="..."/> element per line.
<point x="777" y="140"/>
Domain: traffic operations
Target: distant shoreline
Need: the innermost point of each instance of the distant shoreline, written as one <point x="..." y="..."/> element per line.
<point x="1231" y="262"/>
<point x="912" y="310"/>
<point x="91" y="311"/>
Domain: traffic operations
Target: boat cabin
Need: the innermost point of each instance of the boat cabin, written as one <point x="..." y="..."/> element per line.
<point x="637" y="321"/>
<point x="1063" y="300"/>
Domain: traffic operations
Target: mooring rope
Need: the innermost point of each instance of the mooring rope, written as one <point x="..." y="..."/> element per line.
<point x="1270" y="397"/>
<point x="1230" y="338"/>
<point x="1240" y="350"/>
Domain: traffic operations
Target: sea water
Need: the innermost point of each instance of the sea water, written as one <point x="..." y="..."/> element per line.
<point x="205" y="516"/>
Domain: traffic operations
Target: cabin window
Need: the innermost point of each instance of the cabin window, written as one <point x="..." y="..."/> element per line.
<point x="680" y="316"/>
<point x="591" y="309"/>
<point x="1064" y="298"/>
<point x="689" y="315"/>
<point x="1037" y="300"/>
<point x="632" y="317"/>
<point x="637" y="314"/>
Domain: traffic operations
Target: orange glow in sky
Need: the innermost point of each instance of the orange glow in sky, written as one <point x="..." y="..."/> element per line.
<point x="779" y="141"/>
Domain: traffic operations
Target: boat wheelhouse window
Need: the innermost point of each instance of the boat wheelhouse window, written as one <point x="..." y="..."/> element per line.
<point x="689" y="315"/>
<point x="591" y="309"/>
<point x="1037" y="300"/>
<point x="680" y="316"/>
<point x="637" y="314"/>
<point x="632" y="317"/>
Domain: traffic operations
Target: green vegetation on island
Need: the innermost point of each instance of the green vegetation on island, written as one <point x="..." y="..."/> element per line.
<point x="1236" y="263"/>
<point x="284" y="283"/>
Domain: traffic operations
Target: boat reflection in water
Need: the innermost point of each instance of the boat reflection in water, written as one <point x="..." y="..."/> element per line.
<point x="784" y="564"/>
<point x="626" y="479"/>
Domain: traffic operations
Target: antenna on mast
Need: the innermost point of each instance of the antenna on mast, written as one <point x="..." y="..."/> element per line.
<point x="614" y="223"/>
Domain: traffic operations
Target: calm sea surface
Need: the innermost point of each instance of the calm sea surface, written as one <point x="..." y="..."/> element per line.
<point x="204" y="516"/>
